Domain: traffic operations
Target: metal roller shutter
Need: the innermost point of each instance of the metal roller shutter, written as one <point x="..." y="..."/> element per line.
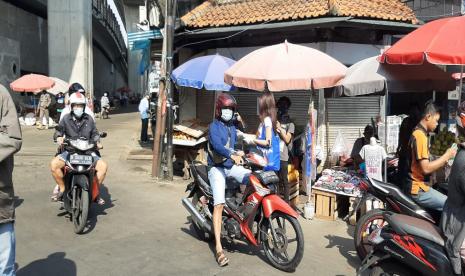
<point x="350" y="116"/>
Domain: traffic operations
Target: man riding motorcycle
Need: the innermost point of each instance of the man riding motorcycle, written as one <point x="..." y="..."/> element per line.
<point x="453" y="215"/>
<point x="75" y="88"/>
<point x="76" y="124"/>
<point x="222" y="161"/>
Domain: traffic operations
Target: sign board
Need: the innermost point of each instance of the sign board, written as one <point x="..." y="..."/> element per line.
<point x="453" y="95"/>
<point x="144" y="35"/>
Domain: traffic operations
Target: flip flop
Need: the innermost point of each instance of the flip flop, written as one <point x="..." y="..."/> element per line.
<point x="221" y="259"/>
<point x="100" y="201"/>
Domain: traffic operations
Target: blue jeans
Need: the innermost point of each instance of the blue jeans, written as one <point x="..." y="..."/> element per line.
<point x="431" y="199"/>
<point x="7" y="249"/>
<point x="217" y="178"/>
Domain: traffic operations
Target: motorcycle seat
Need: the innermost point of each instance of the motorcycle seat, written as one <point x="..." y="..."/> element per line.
<point x="416" y="227"/>
<point x="397" y="193"/>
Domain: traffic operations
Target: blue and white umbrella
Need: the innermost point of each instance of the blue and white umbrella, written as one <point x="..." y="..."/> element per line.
<point x="204" y="72"/>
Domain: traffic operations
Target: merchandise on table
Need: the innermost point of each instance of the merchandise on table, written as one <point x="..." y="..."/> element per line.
<point x="339" y="181"/>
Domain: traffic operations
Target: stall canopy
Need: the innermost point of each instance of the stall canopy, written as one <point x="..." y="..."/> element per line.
<point x="32" y="83"/>
<point x="60" y="86"/>
<point x="369" y="76"/>
<point x="285" y="67"/>
<point x="204" y="72"/>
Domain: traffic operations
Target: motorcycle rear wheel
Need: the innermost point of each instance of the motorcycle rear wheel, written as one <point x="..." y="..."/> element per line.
<point x="276" y="251"/>
<point x="201" y="234"/>
<point x="81" y="212"/>
<point x="363" y="229"/>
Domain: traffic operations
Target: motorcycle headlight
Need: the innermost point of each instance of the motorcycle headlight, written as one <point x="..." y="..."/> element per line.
<point x="81" y="145"/>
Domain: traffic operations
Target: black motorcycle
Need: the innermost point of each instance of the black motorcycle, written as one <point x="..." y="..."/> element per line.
<point x="394" y="200"/>
<point x="81" y="186"/>
<point x="407" y="246"/>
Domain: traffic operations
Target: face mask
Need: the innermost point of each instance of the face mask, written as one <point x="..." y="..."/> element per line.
<point x="226" y="114"/>
<point x="78" y="112"/>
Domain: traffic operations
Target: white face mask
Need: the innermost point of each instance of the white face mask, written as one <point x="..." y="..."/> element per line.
<point x="78" y="111"/>
<point x="226" y="114"/>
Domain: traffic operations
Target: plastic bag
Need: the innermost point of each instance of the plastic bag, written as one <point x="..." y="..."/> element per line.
<point x="340" y="146"/>
<point x="272" y="153"/>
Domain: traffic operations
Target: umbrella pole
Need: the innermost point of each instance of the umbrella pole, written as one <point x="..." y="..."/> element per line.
<point x="460" y="85"/>
<point x="386" y="101"/>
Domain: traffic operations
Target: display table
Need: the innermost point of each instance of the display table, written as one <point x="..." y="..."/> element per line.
<point x="329" y="203"/>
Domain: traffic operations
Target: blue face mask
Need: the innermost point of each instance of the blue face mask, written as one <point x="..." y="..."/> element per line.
<point x="78" y="112"/>
<point x="226" y="114"/>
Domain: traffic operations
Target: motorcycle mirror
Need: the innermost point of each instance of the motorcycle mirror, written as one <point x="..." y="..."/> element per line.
<point x="103" y="134"/>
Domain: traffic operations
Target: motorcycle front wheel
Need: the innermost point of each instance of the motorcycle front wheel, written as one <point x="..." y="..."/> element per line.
<point x="283" y="241"/>
<point x="81" y="210"/>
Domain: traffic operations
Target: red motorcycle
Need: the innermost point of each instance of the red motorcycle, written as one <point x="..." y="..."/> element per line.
<point x="259" y="215"/>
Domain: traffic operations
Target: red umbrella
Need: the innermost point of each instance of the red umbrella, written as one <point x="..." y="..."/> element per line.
<point x="32" y="83"/>
<point x="439" y="42"/>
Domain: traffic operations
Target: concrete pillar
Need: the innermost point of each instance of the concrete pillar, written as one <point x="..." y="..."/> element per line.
<point x="70" y="41"/>
<point x="135" y="80"/>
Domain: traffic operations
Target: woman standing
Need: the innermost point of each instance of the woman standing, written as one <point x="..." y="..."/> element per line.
<point x="267" y="140"/>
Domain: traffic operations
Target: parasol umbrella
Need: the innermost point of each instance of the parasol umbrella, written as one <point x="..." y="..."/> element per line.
<point x="60" y="86"/>
<point x="369" y="76"/>
<point x="285" y="67"/>
<point x="204" y="72"/>
<point x="439" y="42"/>
<point x="32" y="83"/>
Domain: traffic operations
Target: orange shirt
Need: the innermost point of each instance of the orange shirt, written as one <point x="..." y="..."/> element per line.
<point x="418" y="149"/>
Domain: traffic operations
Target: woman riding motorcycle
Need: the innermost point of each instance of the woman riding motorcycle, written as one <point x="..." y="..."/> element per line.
<point x="223" y="163"/>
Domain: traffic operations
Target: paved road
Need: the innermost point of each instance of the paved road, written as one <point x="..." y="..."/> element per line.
<point x="143" y="228"/>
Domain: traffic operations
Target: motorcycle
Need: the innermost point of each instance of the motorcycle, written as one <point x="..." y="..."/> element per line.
<point x="407" y="246"/>
<point x="394" y="200"/>
<point x="105" y="112"/>
<point x="81" y="186"/>
<point x="260" y="216"/>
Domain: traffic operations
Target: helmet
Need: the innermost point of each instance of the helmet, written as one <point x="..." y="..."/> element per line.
<point x="224" y="101"/>
<point x="77" y="98"/>
<point x="76" y="87"/>
<point x="105" y="94"/>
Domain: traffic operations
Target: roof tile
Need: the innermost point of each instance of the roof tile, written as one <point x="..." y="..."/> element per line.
<point x="216" y="13"/>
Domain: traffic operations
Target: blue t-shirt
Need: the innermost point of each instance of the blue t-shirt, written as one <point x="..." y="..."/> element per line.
<point x="218" y="134"/>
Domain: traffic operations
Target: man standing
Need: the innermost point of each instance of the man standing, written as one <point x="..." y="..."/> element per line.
<point x="144" y="115"/>
<point x="44" y="102"/>
<point x="10" y="143"/>
<point x="368" y="132"/>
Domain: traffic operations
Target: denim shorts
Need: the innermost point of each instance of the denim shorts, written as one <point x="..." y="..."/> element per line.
<point x="217" y="177"/>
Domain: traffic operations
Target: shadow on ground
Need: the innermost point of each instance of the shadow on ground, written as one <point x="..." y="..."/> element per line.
<point x="346" y="249"/>
<point x="97" y="210"/>
<point x="54" y="265"/>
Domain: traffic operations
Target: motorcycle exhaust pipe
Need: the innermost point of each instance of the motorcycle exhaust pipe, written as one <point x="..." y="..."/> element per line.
<point x="199" y="219"/>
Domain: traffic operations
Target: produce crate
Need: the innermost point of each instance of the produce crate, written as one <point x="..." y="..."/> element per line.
<point x="325" y="205"/>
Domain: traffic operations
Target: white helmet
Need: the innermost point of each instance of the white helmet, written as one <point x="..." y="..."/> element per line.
<point x="77" y="98"/>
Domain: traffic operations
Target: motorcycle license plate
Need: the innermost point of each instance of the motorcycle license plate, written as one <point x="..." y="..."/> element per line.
<point x="81" y="159"/>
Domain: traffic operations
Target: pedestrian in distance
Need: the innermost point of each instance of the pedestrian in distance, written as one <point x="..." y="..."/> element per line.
<point x="44" y="103"/>
<point x="60" y="99"/>
<point x="144" y="116"/>
<point x="10" y="143"/>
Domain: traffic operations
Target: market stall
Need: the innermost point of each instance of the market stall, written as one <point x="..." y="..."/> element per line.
<point x="190" y="137"/>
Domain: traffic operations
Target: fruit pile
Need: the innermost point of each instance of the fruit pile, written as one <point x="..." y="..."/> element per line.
<point x="442" y="142"/>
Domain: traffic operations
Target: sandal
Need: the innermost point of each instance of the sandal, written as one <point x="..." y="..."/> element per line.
<point x="100" y="201"/>
<point x="221" y="259"/>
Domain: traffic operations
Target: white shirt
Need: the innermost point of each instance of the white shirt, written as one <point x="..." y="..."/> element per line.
<point x="267" y="122"/>
<point x="373" y="155"/>
<point x="144" y="108"/>
<point x="104" y="101"/>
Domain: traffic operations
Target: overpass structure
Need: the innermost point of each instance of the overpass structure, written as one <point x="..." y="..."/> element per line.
<point x="74" y="40"/>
